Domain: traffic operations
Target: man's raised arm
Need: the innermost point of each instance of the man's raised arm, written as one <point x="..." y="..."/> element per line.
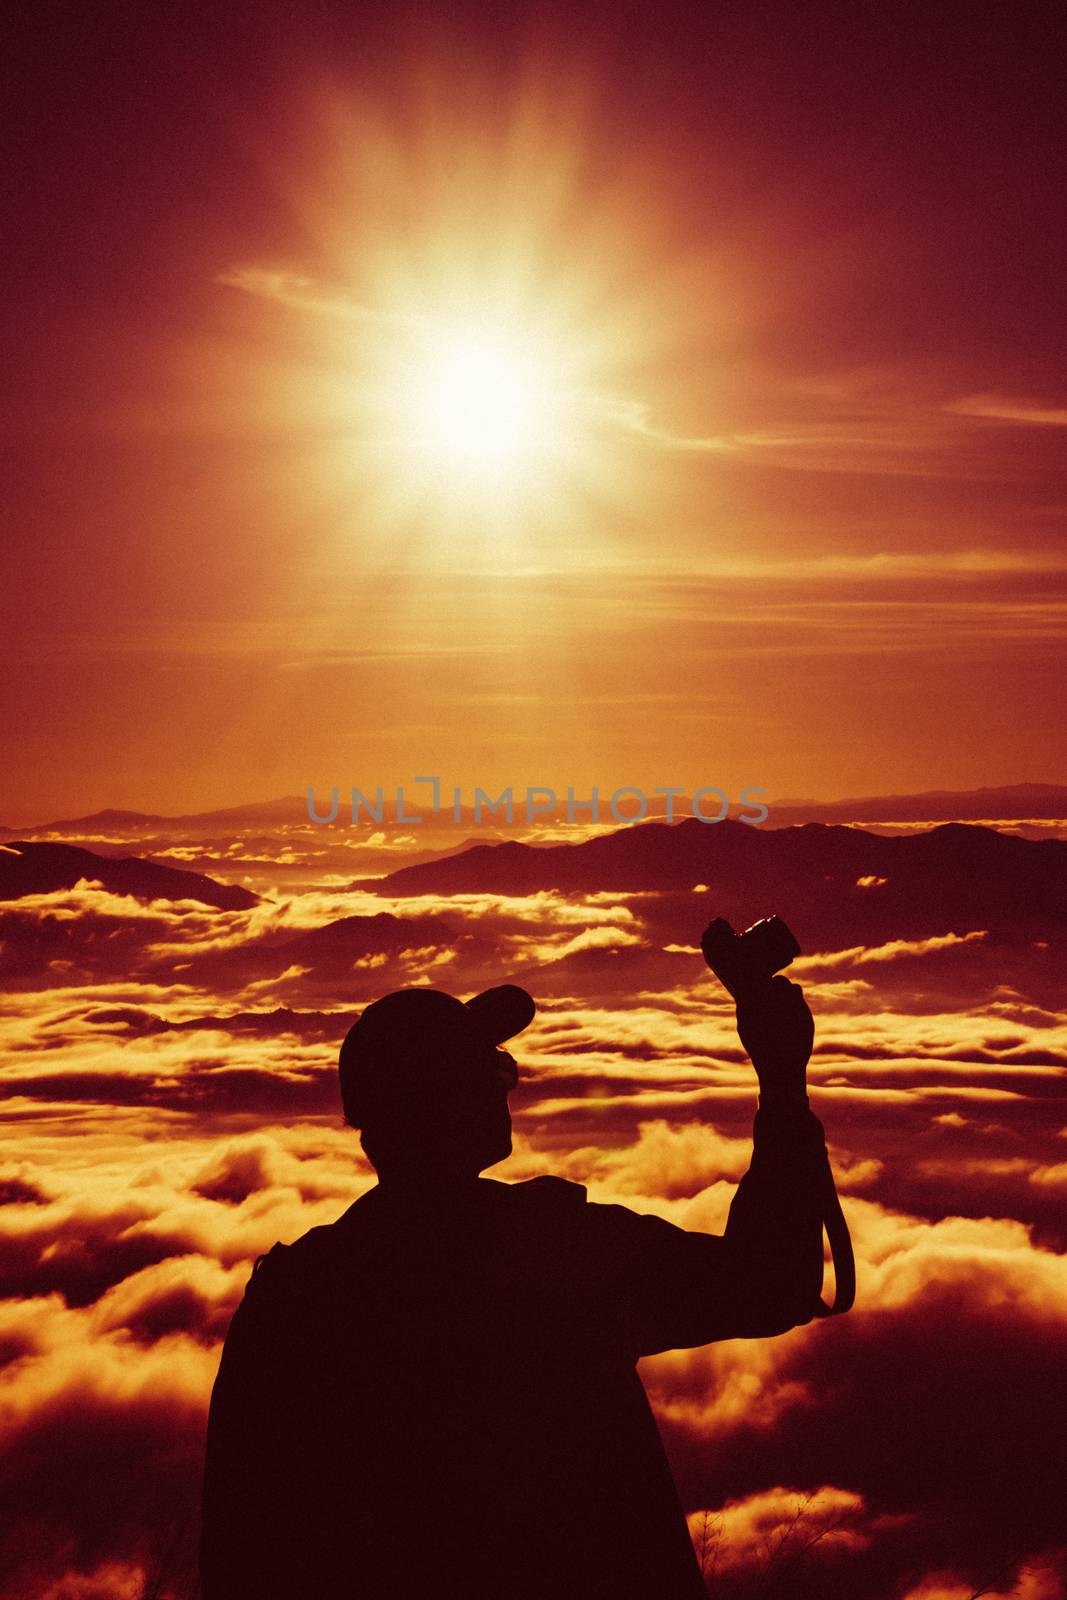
<point x="776" y="1219"/>
<point x="677" y="1288"/>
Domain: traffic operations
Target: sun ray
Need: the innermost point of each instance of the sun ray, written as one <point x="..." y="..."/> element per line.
<point x="482" y="315"/>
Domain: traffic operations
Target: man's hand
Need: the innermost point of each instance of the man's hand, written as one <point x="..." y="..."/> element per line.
<point x="776" y="1028"/>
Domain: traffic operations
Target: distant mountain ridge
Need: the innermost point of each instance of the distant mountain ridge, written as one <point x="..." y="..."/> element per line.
<point x="288" y="809"/>
<point x="836" y="885"/>
<point x="1006" y="802"/>
<point x="995" y="901"/>
<point x="33" y="867"/>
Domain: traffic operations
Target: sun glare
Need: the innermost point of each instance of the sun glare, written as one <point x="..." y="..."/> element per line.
<point x="481" y="401"/>
<point x="481" y="356"/>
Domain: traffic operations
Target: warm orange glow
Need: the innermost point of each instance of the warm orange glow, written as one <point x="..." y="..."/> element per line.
<point x="484" y="329"/>
<point x="477" y="417"/>
<point x="443" y="402"/>
<point x="481" y="403"/>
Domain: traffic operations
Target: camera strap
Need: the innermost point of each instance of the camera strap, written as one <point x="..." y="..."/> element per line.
<point x="840" y="1251"/>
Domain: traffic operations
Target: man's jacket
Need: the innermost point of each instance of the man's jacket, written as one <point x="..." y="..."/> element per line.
<point x="438" y="1396"/>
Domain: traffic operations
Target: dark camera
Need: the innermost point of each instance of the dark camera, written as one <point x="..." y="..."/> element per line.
<point x="743" y="961"/>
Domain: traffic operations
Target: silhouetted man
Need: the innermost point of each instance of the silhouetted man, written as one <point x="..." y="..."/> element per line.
<point x="437" y="1395"/>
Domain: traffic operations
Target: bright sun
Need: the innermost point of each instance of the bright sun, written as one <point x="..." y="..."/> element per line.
<point x="482" y="400"/>
<point x="478" y="380"/>
<point x="477" y="427"/>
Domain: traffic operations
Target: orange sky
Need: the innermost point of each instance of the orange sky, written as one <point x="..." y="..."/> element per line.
<point x="758" y="482"/>
<point x="787" y="281"/>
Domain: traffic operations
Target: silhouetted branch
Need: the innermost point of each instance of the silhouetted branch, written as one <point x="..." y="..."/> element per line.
<point x="784" y="1556"/>
<point x="711" y="1527"/>
<point x="997" y="1579"/>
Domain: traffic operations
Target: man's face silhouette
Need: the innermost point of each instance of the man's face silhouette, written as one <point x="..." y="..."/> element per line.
<point x="455" y="1125"/>
<point x="475" y="1121"/>
<point x="425" y="1081"/>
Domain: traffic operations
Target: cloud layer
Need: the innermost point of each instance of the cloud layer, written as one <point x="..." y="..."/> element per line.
<point x="172" y="1111"/>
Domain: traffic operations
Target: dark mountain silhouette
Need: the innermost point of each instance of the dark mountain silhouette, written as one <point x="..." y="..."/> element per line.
<point x="137" y="1021"/>
<point x="288" y="809"/>
<point x="338" y="944"/>
<point x="95" y="821"/>
<point x="1002" y="802"/>
<point x="31" y="867"/>
<point x="838" y="886"/>
<point x="327" y="955"/>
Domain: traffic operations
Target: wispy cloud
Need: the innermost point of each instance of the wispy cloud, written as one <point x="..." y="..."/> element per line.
<point x="303" y="294"/>
<point x="902" y="435"/>
<point x="999" y="408"/>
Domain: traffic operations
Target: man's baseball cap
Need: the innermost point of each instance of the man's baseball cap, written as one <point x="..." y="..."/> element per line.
<point x="405" y="1041"/>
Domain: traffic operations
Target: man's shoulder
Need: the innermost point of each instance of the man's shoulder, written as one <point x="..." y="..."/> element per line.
<point x="548" y="1190"/>
<point x="563" y="1207"/>
<point x="300" y="1261"/>
<point x="305" y="1259"/>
